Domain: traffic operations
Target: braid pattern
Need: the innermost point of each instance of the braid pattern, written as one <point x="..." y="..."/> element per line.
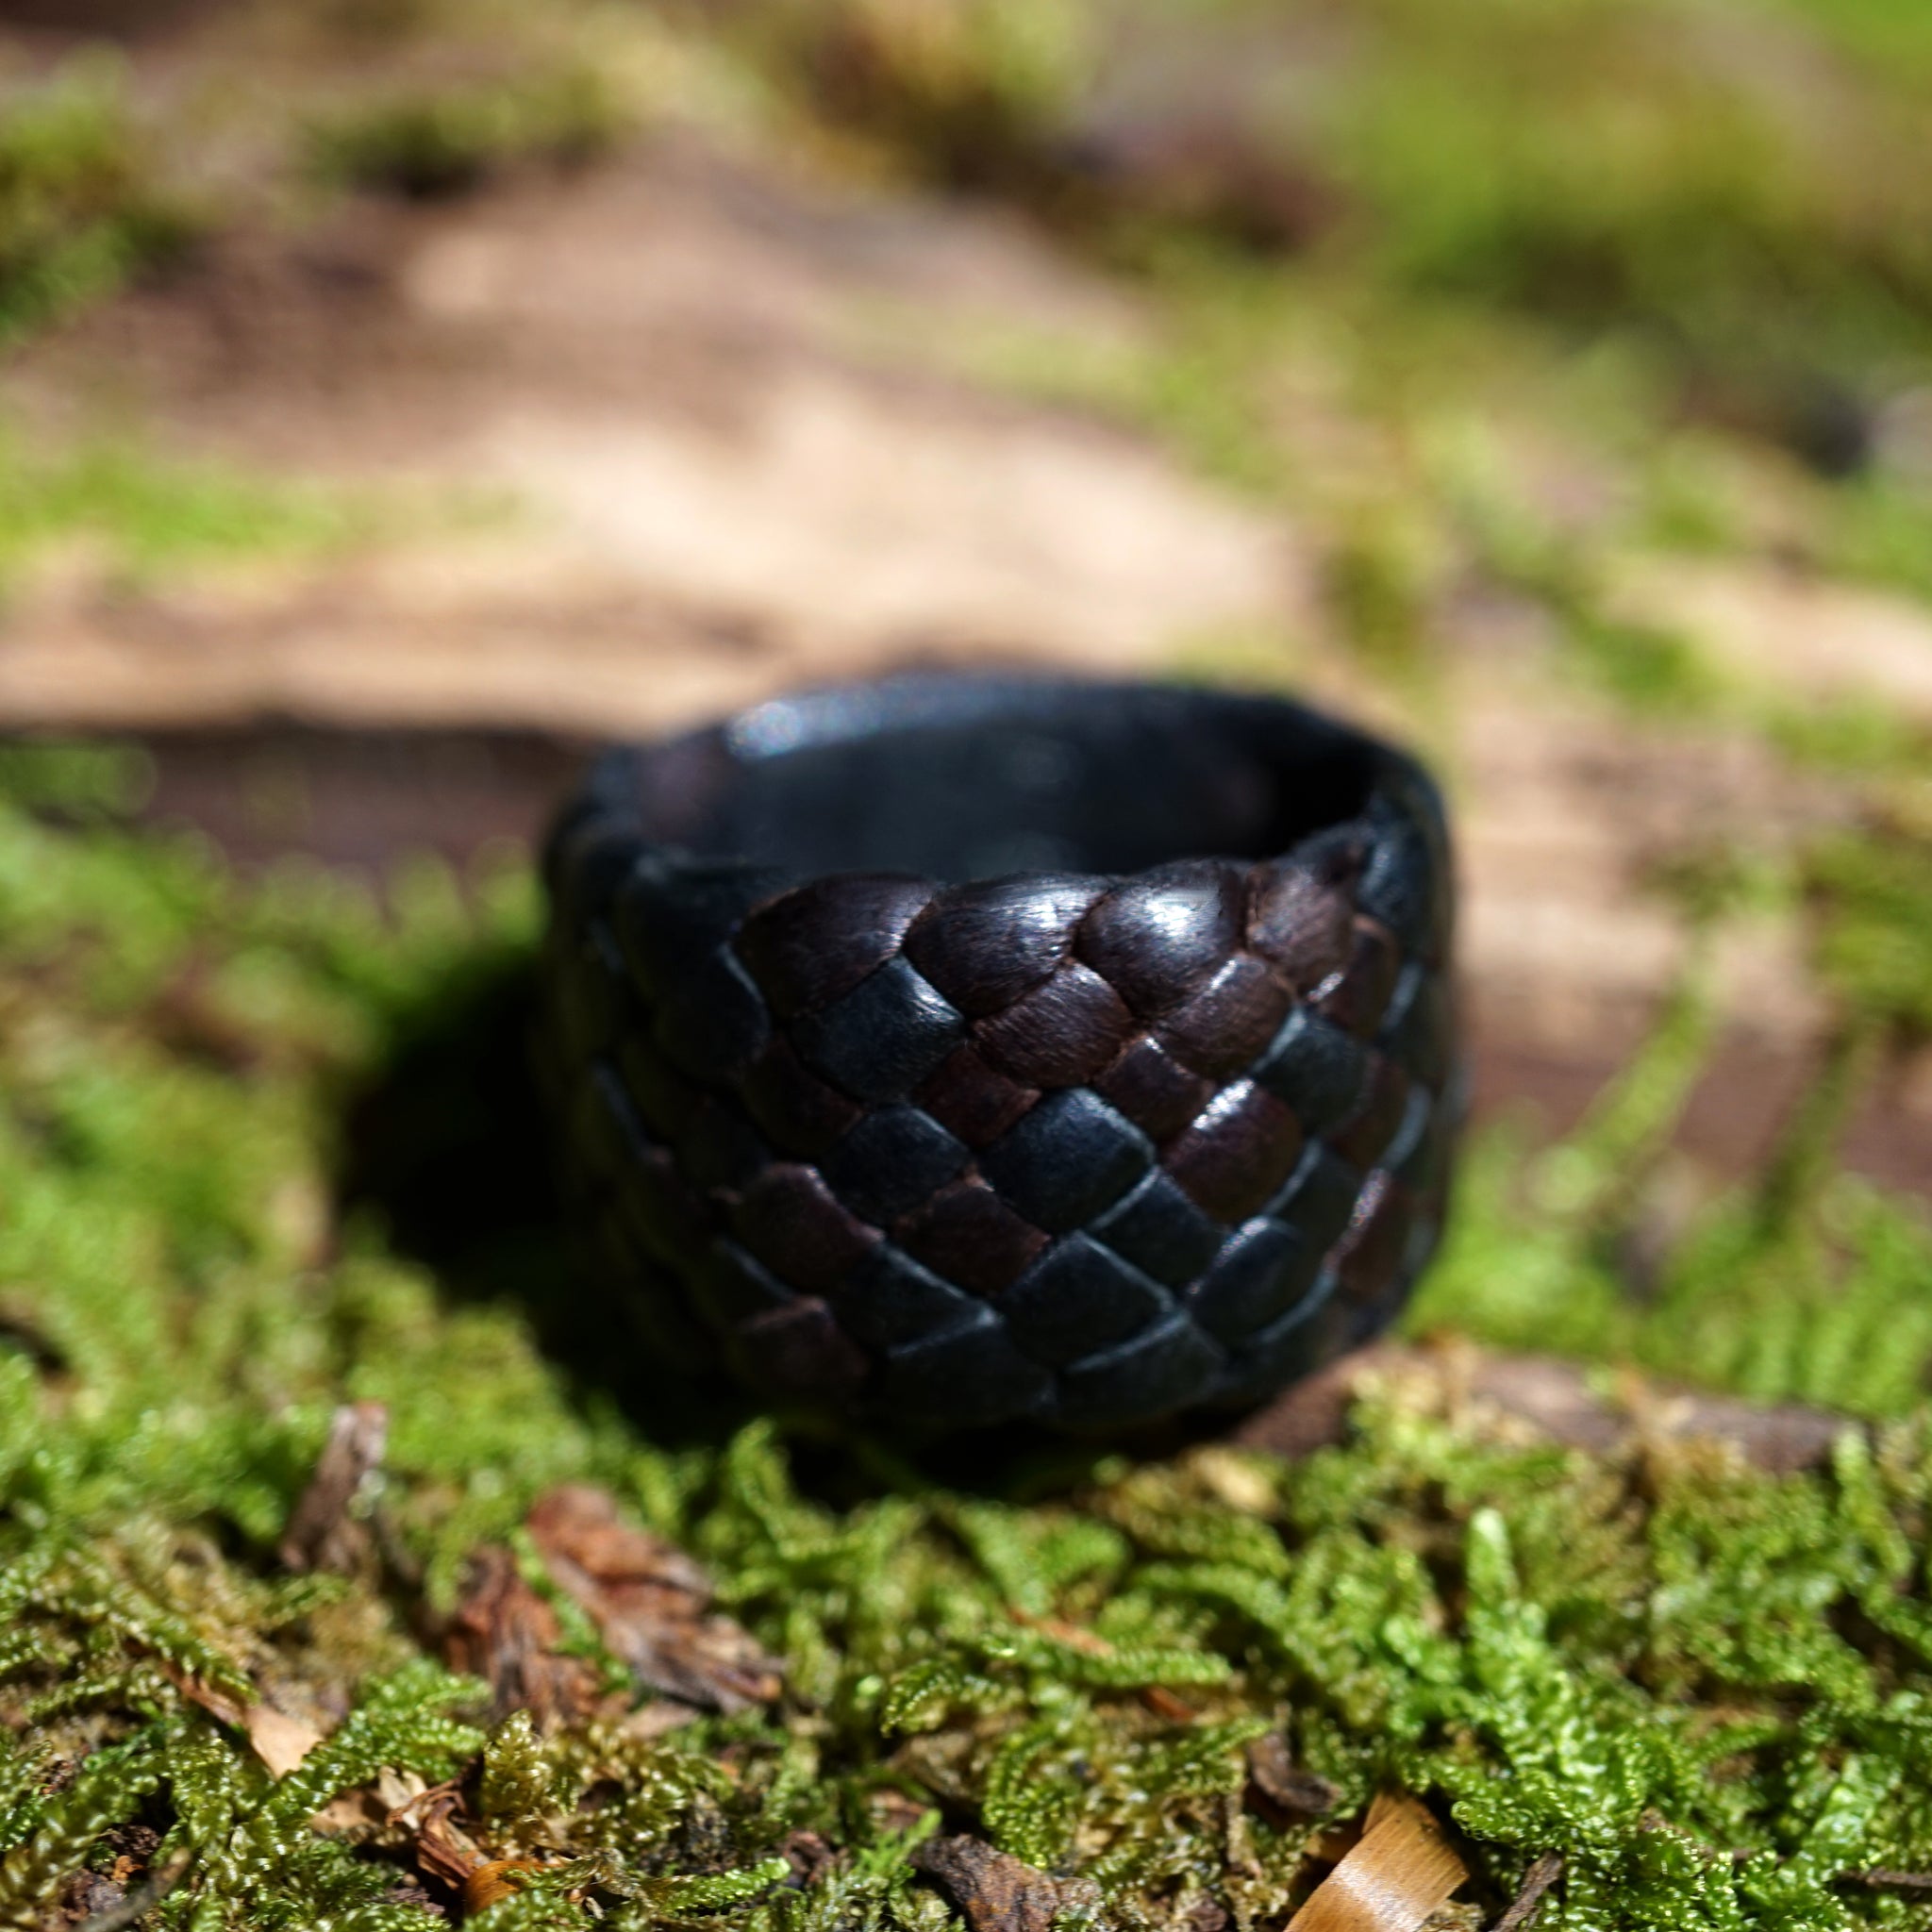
<point x="1078" y="1149"/>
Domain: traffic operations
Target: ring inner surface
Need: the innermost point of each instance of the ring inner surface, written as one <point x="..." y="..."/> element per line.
<point x="1087" y="780"/>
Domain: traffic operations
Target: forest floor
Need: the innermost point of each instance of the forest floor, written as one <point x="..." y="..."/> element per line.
<point x="402" y="394"/>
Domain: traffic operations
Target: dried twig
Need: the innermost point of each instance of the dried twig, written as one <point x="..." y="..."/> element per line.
<point x="1915" y="1884"/>
<point x="445" y="1855"/>
<point x="218" y="1703"/>
<point x="321" y="1534"/>
<point x="1556" y="1398"/>
<point x="1528" y="1901"/>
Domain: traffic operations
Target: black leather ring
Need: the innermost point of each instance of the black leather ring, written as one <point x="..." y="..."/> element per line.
<point x="963" y="1051"/>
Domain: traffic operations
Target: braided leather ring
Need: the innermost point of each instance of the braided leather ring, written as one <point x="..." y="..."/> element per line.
<point x="907" y="1055"/>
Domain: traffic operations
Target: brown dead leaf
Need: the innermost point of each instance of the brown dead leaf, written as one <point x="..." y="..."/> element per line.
<point x="1287" y="1789"/>
<point x="996" y="1892"/>
<point x="399" y="1793"/>
<point x="808" y="1853"/>
<point x="359" y="1811"/>
<point x="372" y="1810"/>
<point x="396" y="1812"/>
<point x="895" y="1810"/>
<point x="506" y="1634"/>
<point x="657" y="1719"/>
<point x="445" y="1855"/>
<point x="1403" y="1870"/>
<point x="280" y="1742"/>
<point x="322" y="1533"/>
<point x="489" y="1882"/>
<point x="650" y="1602"/>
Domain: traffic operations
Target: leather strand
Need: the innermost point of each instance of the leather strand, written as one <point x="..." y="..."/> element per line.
<point x="1082" y="1147"/>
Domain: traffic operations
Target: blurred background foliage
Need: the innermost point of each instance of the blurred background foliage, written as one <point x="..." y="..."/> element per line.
<point x="1587" y="279"/>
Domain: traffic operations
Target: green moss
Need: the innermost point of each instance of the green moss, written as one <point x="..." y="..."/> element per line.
<point x="1873" y="889"/>
<point x="1736" y="189"/>
<point x="1601" y="277"/>
<point x="1613" y="165"/>
<point x="1879" y="531"/>
<point x="1195" y="381"/>
<point x="1707" y="1689"/>
<point x="1800" y="1280"/>
<point x="968" y="92"/>
<point x="443" y="140"/>
<point x="137" y="514"/>
<point x="79" y="206"/>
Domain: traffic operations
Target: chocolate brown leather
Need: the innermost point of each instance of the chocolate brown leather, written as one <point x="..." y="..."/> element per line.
<point x="960" y="1051"/>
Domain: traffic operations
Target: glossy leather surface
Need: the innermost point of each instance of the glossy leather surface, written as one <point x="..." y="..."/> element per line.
<point x="963" y="1051"/>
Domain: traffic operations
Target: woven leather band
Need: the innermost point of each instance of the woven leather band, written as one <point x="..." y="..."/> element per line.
<point x="962" y="1049"/>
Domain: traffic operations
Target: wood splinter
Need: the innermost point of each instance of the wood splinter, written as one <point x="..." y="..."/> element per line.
<point x="322" y="1533"/>
<point x="1402" y="1868"/>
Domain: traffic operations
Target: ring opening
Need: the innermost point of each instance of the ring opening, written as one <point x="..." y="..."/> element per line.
<point x="963" y="779"/>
